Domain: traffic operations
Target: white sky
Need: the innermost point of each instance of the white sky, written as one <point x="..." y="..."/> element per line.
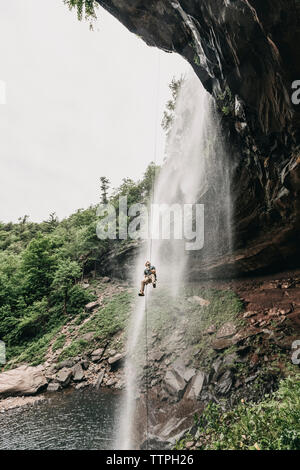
<point x="79" y="105"/>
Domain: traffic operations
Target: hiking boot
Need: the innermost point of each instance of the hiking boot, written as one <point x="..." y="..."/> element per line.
<point x="141" y="294"/>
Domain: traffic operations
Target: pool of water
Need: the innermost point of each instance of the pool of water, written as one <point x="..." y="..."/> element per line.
<point x="82" y="419"/>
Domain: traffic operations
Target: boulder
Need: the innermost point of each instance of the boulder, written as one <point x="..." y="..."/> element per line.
<point x="116" y="361"/>
<point x="224" y="383"/>
<point x="106" y="279"/>
<point x="156" y="356"/>
<point x="187" y="373"/>
<point x="91" y="306"/>
<point x="85" y="364"/>
<point x="240" y="336"/>
<point x="81" y="385"/>
<point x="53" y="387"/>
<point x="64" y="377"/>
<point x="111" y="352"/>
<point x="97" y="355"/>
<point x="175" y="384"/>
<point x="111" y="382"/>
<point x="24" y="380"/>
<point x="196" y="386"/>
<point x="68" y="363"/>
<point x="88" y="336"/>
<point x="78" y="374"/>
<point x="220" y="344"/>
<point x="99" y="380"/>
<point x="227" y="330"/>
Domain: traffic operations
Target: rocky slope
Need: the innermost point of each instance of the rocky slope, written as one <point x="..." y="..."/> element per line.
<point x="231" y="340"/>
<point x="246" y="54"/>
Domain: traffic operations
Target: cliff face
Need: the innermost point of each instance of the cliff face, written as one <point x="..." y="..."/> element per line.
<point x="247" y="55"/>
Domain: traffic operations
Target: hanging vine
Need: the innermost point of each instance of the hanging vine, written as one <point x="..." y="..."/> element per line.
<point x="86" y="9"/>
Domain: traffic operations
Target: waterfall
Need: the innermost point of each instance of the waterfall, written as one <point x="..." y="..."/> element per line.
<point x="195" y="171"/>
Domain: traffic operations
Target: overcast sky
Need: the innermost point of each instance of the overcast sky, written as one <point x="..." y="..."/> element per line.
<point x="79" y="105"/>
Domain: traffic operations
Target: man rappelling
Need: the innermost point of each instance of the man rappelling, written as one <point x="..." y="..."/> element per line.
<point x="149" y="278"/>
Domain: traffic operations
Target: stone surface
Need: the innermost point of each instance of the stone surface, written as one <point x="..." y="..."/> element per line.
<point x="78" y="373"/>
<point x="66" y="363"/>
<point x="224" y="383"/>
<point x="53" y="387"/>
<point x="99" y="380"/>
<point x="227" y="330"/>
<point x="23" y="380"/>
<point x="174" y="384"/>
<point x="97" y="355"/>
<point x="81" y="385"/>
<point x="85" y="364"/>
<point x="64" y="377"/>
<point x="196" y="386"/>
<point x="88" y="336"/>
<point x="115" y="359"/>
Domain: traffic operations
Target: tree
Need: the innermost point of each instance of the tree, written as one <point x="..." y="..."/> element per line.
<point x="64" y="279"/>
<point x="38" y="265"/>
<point x="51" y="223"/>
<point x="104" y="186"/>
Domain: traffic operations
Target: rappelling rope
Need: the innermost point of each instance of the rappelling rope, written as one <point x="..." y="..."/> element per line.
<point x="150" y="257"/>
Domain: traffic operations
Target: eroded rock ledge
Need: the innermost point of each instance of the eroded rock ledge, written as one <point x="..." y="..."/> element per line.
<point x="247" y="55"/>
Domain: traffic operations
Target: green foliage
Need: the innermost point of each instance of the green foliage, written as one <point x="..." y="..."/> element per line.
<point x="104" y="186"/>
<point x="273" y="424"/>
<point x="197" y="60"/>
<point x="224" y="307"/>
<point x="59" y="343"/>
<point x="78" y="298"/>
<point x="66" y="274"/>
<point x="76" y="348"/>
<point x="225" y="102"/>
<point x="38" y="266"/>
<point x="32" y="352"/>
<point x="169" y="113"/>
<point x="111" y="318"/>
<point x="32" y="323"/>
<point x="85" y="9"/>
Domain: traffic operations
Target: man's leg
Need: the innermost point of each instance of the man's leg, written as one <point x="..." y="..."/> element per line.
<point x="143" y="284"/>
<point x="153" y="280"/>
<point x="142" y="287"/>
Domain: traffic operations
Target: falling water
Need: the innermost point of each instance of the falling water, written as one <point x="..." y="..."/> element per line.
<point x="195" y="171"/>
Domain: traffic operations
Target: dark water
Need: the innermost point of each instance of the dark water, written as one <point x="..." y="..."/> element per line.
<point x="82" y="419"/>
